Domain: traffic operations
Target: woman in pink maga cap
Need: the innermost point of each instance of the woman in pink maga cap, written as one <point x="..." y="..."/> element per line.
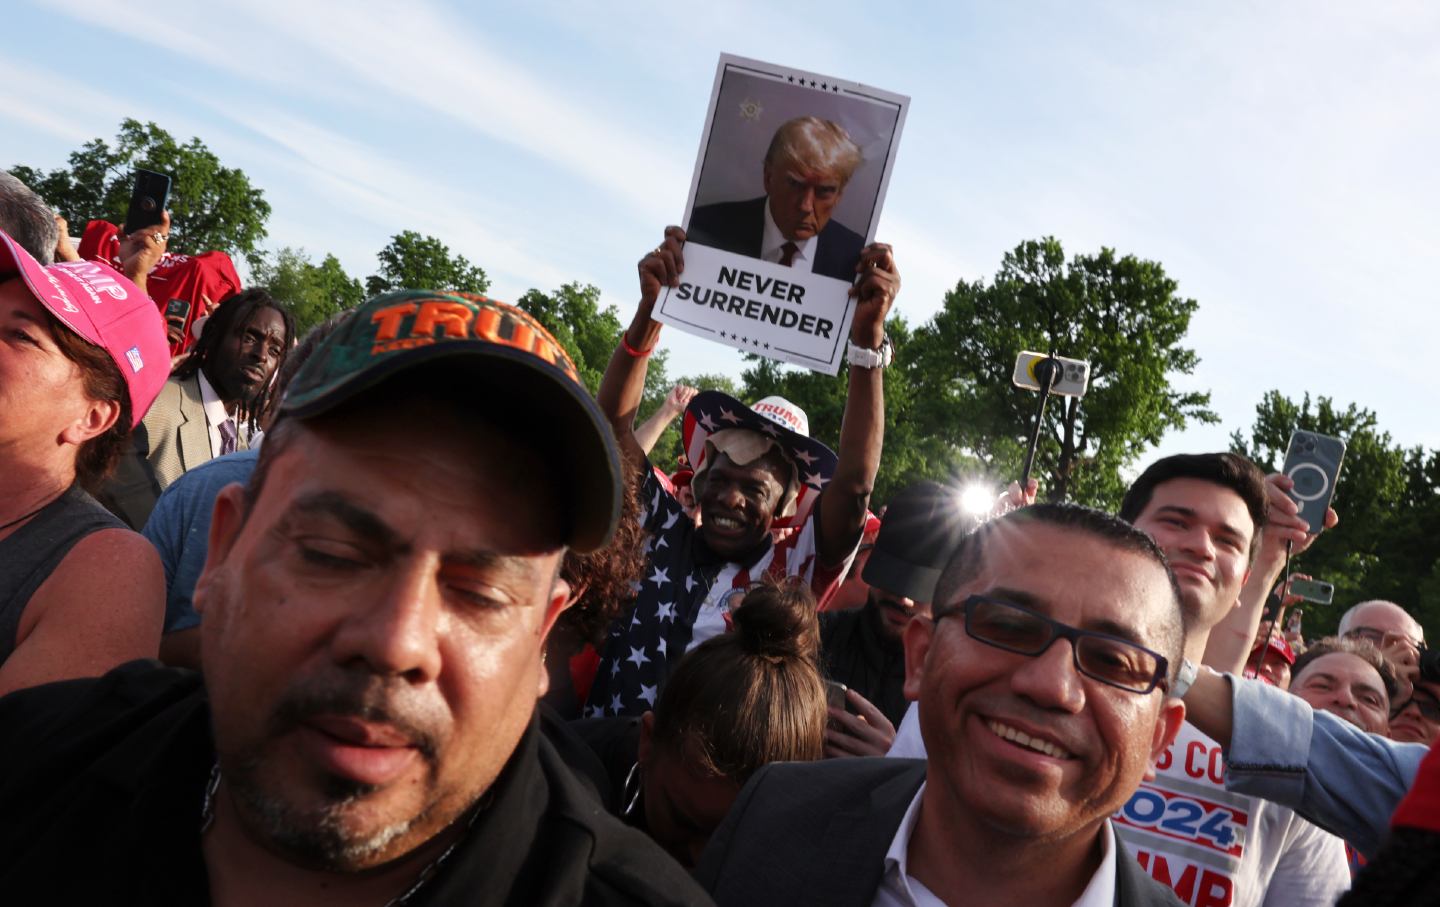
<point x="82" y="356"/>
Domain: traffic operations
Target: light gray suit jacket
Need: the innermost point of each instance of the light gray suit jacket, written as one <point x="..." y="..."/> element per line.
<point x="172" y="438"/>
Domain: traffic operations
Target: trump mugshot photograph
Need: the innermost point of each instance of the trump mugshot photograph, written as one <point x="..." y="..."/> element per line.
<point x="791" y="172"/>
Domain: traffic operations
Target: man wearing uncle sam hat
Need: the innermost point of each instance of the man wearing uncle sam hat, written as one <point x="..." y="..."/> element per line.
<point x="770" y="500"/>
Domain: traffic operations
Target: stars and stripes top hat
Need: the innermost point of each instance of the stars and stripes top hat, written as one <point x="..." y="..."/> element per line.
<point x="713" y="412"/>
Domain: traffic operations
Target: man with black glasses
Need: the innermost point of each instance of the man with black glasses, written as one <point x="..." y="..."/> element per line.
<point x="1415" y="717"/>
<point x="1042" y="680"/>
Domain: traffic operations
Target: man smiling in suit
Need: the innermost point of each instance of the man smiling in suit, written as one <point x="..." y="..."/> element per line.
<point x="1043" y="682"/>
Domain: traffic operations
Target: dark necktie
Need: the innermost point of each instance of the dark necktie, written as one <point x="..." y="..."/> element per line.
<point x="228" y="437"/>
<point x="787" y="253"/>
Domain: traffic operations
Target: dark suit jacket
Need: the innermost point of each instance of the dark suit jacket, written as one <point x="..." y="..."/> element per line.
<point x="815" y="833"/>
<point x="739" y="227"/>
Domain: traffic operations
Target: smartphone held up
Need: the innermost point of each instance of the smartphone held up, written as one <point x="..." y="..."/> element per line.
<point x="148" y="200"/>
<point x="1313" y="464"/>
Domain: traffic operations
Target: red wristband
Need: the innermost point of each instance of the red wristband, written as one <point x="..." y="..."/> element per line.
<point x="631" y="351"/>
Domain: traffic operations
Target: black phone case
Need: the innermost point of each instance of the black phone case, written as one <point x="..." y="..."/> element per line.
<point x="147" y="200"/>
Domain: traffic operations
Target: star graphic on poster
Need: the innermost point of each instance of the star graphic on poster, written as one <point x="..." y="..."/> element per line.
<point x="728" y="416"/>
<point x="666" y="612"/>
<point x="647" y="693"/>
<point x="707" y="421"/>
<point x="750" y="109"/>
<point x="638" y="656"/>
<point x="805" y="456"/>
<point x="659" y="576"/>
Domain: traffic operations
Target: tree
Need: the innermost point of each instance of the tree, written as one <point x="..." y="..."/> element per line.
<point x="1386" y="545"/>
<point x="421" y="262"/>
<point x="211" y="206"/>
<point x="312" y="292"/>
<point x="587" y="331"/>
<point x="1122" y="314"/>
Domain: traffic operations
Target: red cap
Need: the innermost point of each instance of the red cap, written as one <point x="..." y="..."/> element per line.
<point x="1421" y="807"/>
<point x="102" y="306"/>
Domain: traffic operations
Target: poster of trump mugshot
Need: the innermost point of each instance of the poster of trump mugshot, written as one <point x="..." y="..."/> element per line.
<point x="787" y="190"/>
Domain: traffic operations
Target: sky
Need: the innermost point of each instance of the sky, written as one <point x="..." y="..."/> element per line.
<point x="1279" y="159"/>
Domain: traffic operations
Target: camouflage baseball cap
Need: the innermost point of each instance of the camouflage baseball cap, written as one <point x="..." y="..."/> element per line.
<point x="513" y="356"/>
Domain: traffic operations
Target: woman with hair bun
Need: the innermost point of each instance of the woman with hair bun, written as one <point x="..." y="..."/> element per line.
<point x="733" y="704"/>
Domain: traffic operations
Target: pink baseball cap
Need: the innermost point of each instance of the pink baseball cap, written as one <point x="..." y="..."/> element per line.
<point x="102" y="306"/>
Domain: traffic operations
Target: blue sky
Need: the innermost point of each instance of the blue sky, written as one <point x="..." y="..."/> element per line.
<point x="1278" y="158"/>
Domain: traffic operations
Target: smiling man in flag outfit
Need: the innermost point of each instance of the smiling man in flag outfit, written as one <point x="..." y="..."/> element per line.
<point x="758" y="476"/>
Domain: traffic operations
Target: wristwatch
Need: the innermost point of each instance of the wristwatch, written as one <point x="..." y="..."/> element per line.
<point x="1183" y="680"/>
<point x="859" y="355"/>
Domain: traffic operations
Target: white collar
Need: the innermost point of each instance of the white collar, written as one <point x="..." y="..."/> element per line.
<point x="773" y="239"/>
<point x="1100" y="892"/>
<point x="215" y="413"/>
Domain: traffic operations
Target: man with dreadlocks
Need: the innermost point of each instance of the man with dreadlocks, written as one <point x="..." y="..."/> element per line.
<point x="211" y="405"/>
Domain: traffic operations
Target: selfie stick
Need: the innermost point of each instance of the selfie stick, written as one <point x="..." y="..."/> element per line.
<point x="1047" y="370"/>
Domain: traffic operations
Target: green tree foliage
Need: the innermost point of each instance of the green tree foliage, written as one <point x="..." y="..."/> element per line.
<point x="312" y="292"/>
<point x="588" y="332"/>
<point x="1387" y="544"/>
<point x="1122" y="314"/>
<point x="413" y="261"/>
<point x="211" y="206"/>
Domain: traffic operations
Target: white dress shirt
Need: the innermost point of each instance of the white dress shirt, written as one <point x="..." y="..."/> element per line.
<point x="215" y="414"/>
<point x="773" y="240"/>
<point x="900" y="889"/>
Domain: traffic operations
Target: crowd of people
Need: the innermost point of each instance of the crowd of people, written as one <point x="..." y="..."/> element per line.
<point x="397" y="612"/>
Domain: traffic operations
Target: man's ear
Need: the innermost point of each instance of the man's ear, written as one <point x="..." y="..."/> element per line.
<point x="1167" y="725"/>
<point x="556" y="603"/>
<point x="919" y="633"/>
<point x="226" y="520"/>
<point x="98" y="418"/>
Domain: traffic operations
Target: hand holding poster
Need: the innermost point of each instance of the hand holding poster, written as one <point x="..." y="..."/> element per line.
<point x="787" y="192"/>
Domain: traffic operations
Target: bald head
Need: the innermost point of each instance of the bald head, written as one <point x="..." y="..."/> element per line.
<point x="1384" y="616"/>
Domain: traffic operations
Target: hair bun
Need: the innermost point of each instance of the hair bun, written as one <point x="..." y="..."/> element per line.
<point x="777" y="620"/>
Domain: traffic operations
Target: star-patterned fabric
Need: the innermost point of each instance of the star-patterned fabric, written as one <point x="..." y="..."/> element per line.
<point x="681" y="599"/>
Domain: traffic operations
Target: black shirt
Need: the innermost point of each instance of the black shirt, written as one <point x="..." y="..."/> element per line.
<point x="102" y="780"/>
<point x="857" y="655"/>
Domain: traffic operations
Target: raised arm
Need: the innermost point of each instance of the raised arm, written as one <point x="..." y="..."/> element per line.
<point x="1278" y="748"/>
<point x="624" y="381"/>
<point x="1230" y="642"/>
<point x="862" y="433"/>
<point x="673" y="405"/>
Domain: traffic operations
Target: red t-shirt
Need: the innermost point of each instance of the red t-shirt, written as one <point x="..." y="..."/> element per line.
<point x="188" y="278"/>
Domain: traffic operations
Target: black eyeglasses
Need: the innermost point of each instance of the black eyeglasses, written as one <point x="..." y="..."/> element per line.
<point x="1384" y="640"/>
<point x="1428" y="706"/>
<point x="1108" y="659"/>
